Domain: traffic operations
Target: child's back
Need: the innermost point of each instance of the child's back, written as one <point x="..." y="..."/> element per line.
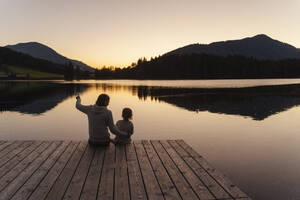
<point x="126" y="126"/>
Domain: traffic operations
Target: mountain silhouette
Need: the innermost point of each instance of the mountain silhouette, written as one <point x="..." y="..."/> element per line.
<point x="42" y="51"/>
<point x="260" y="47"/>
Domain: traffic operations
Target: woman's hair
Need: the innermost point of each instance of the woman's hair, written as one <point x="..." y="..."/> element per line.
<point x="103" y="100"/>
<point x="127" y="113"/>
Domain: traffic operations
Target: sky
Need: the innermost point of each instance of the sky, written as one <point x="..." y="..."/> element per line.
<point x="118" y="32"/>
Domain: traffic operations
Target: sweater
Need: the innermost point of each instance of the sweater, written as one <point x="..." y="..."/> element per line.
<point x="126" y="126"/>
<point x="100" y="119"/>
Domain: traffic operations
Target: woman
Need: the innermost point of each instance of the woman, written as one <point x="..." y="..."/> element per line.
<point x="99" y="118"/>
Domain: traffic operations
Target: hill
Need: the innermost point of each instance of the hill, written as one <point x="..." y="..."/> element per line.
<point x="42" y="51"/>
<point x="260" y="47"/>
<point x="19" y="65"/>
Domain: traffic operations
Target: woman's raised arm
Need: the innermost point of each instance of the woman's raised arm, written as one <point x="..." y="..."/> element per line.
<point x="81" y="107"/>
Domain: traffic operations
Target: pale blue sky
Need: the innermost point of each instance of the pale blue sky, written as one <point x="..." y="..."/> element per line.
<point x="118" y="32"/>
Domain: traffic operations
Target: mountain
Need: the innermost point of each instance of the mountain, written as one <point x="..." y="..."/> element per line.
<point x="41" y="51"/>
<point x="260" y="47"/>
<point x="15" y="63"/>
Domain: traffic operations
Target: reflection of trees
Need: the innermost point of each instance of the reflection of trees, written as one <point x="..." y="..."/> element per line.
<point x="255" y="102"/>
<point x="35" y="97"/>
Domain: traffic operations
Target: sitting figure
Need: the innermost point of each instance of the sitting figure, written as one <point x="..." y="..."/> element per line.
<point x="100" y="119"/>
<point x="124" y="125"/>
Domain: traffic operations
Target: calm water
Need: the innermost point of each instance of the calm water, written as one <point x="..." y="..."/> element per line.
<point x="250" y="134"/>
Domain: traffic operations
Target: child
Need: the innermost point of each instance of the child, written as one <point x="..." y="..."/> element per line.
<point x="124" y="125"/>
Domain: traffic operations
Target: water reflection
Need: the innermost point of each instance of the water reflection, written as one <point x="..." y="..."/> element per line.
<point x="257" y="103"/>
<point x="36" y="97"/>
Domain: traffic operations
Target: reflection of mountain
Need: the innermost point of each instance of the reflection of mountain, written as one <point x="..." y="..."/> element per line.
<point x="35" y="97"/>
<point x="255" y="102"/>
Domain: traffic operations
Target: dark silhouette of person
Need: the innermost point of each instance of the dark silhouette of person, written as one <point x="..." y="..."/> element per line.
<point x="100" y="119"/>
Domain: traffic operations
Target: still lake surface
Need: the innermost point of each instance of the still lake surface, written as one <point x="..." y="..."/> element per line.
<point x="251" y="134"/>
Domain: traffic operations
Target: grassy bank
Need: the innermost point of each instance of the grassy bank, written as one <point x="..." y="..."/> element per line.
<point x="30" y="73"/>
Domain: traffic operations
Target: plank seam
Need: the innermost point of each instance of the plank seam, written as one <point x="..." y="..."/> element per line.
<point x="127" y="172"/>
<point x="179" y="170"/>
<point x="30" y="143"/>
<point x="36" y="168"/>
<point x="21" y="160"/>
<point x="141" y="171"/>
<point x="61" y="171"/>
<point x="74" y="171"/>
<point x="94" y="152"/>
<point x="194" y="171"/>
<point x="8" y="147"/>
<point x="26" y="167"/>
<point x="101" y="173"/>
<point x="166" y="170"/>
<point x="50" y="167"/>
<point x="229" y="193"/>
<point x="153" y="170"/>
<point x="114" y="179"/>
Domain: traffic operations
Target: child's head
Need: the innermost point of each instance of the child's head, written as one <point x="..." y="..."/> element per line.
<point x="127" y="113"/>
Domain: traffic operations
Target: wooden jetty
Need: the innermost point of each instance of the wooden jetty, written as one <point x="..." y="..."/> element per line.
<point x="156" y="169"/>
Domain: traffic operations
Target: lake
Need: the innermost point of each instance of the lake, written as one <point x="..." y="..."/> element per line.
<point x="248" y="129"/>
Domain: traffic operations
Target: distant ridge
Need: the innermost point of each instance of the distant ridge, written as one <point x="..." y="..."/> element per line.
<point x="42" y="51"/>
<point x="260" y="47"/>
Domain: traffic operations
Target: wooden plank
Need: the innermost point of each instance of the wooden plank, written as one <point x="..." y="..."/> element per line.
<point x="181" y="184"/>
<point x="5" y="144"/>
<point x="18" y="158"/>
<point x="10" y="176"/>
<point x="8" y="192"/>
<point x="14" y="152"/>
<point x="25" y="191"/>
<point x="210" y="183"/>
<point x="199" y="188"/>
<point x="77" y="182"/>
<point x="62" y="182"/>
<point x="152" y="186"/>
<point x="136" y="185"/>
<point x="121" y="175"/>
<point x="10" y="148"/>
<point x="219" y="177"/>
<point x="106" y="186"/>
<point x="44" y="187"/>
<point x="91" y="185"/>
<point x="166" y="184"/>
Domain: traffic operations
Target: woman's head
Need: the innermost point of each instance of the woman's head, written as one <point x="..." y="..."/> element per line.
<point x="103" y="100"/>
<point x="127" y="113"/>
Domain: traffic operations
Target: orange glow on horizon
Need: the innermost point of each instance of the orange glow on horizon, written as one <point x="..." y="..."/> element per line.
<point x="115" y="33"/>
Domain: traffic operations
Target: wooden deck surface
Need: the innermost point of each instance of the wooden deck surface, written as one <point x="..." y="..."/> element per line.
<point x="142" y="170"/>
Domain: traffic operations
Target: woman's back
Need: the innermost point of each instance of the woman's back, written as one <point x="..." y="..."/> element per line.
<point x="100" y="119"/>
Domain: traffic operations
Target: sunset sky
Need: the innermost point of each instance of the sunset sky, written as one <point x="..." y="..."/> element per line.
<point x="118" y="32"/>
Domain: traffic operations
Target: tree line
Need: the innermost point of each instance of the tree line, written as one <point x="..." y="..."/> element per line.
<point x="204" y="66"/>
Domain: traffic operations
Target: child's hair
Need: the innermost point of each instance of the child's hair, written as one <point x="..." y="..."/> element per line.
<point x="127" y="113"/>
